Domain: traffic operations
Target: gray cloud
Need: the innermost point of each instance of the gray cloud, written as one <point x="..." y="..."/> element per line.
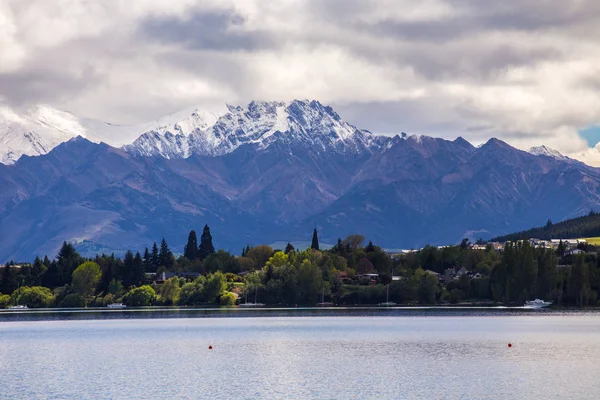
<point x="522" y="71"/>
<point x="220" y="31"/>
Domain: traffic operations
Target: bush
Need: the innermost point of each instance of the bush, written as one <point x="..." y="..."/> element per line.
<point x="72" y="301"/>
<point x="227" y="299"/>
<point x="33" y="297"/>
<point x="141" y="296"/>
<point x="4" y="300"/>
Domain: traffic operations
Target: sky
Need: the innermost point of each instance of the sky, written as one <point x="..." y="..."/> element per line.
<point x="525" y="72"/>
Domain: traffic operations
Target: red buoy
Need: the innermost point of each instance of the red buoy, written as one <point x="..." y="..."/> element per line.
<point x="210" y="347"/>
<point x="510" y="345"/>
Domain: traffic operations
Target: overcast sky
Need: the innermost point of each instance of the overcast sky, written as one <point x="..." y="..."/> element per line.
<point x="527" y="74"/>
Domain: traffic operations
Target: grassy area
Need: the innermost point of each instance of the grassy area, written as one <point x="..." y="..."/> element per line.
<point x="594" y="241"/>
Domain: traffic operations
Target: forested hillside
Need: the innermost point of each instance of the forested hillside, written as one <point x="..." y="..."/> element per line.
<point x="581" y="227"/>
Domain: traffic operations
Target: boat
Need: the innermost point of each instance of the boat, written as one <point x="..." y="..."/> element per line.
<point x="537" y="303"/>
<point x="116" y="305"/>
<point x="387" y="302"/>
<point x="255" y="304"/>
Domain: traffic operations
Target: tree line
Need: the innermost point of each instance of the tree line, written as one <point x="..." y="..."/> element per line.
<point x="348" y="273"/>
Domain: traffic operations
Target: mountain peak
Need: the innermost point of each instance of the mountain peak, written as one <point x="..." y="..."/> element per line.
<point x="548" y="152"/>
<point x="259" y="123"/>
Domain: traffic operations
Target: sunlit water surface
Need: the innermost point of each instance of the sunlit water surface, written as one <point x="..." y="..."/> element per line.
<point x="345" y="356"/>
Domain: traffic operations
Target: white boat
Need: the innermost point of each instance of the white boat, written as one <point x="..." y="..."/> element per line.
<point x="18" y="307"/>
<point x="537" y="303"/>
<point x="116" y="305"/>
<point x="387" y="298"/>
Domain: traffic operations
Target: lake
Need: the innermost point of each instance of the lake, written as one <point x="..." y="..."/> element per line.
<point x="364" y="354"/>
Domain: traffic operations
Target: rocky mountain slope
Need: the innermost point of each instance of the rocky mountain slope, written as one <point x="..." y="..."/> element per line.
<point x="274" y="171"/>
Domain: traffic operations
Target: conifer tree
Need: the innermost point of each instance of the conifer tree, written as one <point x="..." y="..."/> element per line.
<point x="138" y="269"/>
<point x="154" y="257"/>
<point x="147" y="260"/>
<point x="289" y="248"/>
<point x="206" y="246"/>
<point x="315" y="241"/>
<point x="165" y="256"/>
<point x="129" y="266"/>
<point x="370" y="248"/>
<point x="191" y="248"/>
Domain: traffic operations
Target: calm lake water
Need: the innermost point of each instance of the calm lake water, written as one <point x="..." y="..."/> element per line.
<point x="295" y="355"/>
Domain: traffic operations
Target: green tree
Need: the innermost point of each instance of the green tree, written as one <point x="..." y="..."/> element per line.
<point x="4" y="300"/>
<point x="191" y="248"/>
<point x="206" y="245"/>
<point x="315" y="241"/>
<point x="260" y="255"/>
<point x="215" y="286"/>
<point x="114" y="287"/>
<point x="141" y="296"/>
<point x="67" y="261"/>
<point x="86" y="278"/>
<point x="165" y="256"/>
<point x="227" y="299"/>
<point x="38" y="270"/>
<point x="310" y="283"/>
<point x="73" y="300"/>
<point x="9" y="282"/>
<point x="147" y="261"/>
<point x="169" y="291"/>
<point x="33" y="297"/>
<point x="155" y="263"/>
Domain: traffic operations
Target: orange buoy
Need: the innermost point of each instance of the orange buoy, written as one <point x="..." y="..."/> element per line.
<point x="510" y="345"/>
<point x="210" y="347"/>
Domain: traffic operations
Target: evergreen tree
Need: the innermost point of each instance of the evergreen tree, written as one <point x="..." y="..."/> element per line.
<point x="147" y="260"/>
<point x="289" y="248"/>
<point x="191" y="248"/>
<point x="37" y="271"/>
<point x="370" y="248"/>
<point x="67" y="261"/>
<point x="129" y="266"/>
<point x="138" y="269"/>
<point x="155" y="263"/>
<point x="315" y="241"/>
<point x="206" y="246"/>
<point x="8" y="281"/>
<point x="165" y="256"/>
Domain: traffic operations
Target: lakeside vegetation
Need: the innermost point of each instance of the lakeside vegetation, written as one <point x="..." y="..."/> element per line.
<point x="350" y="273"/>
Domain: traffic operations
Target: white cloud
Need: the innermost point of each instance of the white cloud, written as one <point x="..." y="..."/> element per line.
<point x="524" y="72"/>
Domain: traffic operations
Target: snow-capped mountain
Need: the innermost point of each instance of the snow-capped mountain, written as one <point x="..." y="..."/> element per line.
<point x="260" y="123"/>
<point x="546" y="151"/>
<point x="37" y="130"/>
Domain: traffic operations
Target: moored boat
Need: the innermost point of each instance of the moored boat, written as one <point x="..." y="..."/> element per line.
<point x="537" y="303"/>
<point x="116" y="305"/>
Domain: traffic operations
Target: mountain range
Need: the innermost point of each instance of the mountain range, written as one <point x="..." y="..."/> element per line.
<point x="265" y="172"/>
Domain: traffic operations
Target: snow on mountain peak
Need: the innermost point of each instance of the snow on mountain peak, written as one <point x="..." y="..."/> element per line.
<point x="548" y="152"/>
<point x="260" y="123"/>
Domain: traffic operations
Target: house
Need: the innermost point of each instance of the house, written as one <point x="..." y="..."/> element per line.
<point x="437" y="275"/>
<point x="477" y="276"/>
<point x="461" y="272"/>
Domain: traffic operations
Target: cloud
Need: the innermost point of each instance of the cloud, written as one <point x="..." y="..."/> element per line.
<point x="525" y="72"/>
